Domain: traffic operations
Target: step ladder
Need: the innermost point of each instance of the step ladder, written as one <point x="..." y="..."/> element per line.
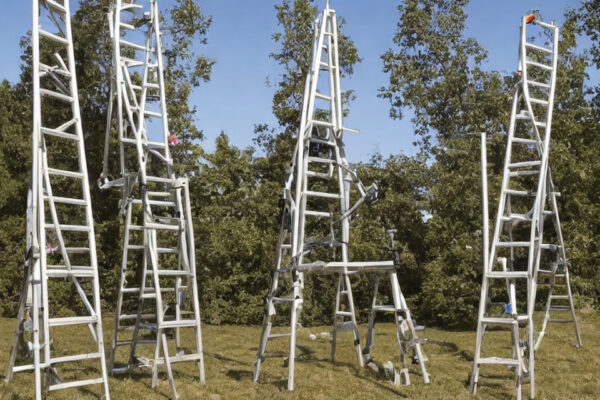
<point x="158" y="293"/>
<point x="61" y="246"/>
<point x="522" y="245"/>
<point x="315" y="216"/>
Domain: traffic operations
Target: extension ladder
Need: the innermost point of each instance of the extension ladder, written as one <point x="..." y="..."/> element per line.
<point x="158" y="290"/>
<point x="519" y="247"/>
<point x="61" y="246"/>
<point x="309" y="206"/>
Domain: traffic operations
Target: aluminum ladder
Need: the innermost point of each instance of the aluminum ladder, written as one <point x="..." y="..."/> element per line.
<point x="158" y="290"/>
<point x="61" y="245"/>
<point x="527" y="201"/>
<point x="315" y="219"/>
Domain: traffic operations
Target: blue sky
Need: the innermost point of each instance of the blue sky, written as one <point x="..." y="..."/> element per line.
<point x="237" y="96"/>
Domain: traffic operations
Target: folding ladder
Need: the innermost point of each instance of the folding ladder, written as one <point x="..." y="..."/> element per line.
<point x="61" y="247"/>
<point x="527" y="201"/>
<point x="158" y="291"/>
<point x="319" y="178"/>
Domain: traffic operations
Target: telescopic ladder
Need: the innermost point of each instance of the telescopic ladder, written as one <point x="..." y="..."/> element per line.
<point x="312" y="226"/>
<point x="520" y="253"/>
<point x="61" y="246"/>
<point x="158" y="291"/>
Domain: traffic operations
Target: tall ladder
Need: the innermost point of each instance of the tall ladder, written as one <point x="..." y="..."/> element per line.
<point x="61" y="246"/>
<point x="158" y="290"/>
<point x="309" y="207"/>
<point x="527" y="201"/>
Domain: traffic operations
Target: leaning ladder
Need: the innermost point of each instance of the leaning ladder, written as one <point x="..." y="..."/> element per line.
<point x="61" y="244"/>
<point x="518" y="247"/>
<point x="158" y="263"/>
<point x="318" y="163"/>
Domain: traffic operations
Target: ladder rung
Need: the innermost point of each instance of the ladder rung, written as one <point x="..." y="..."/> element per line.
<point x="132" y="45"/>
<point x="538" y="101"/>
<point x="544" y="24"/>
<point x="385" y="308"/>
<point x="56" y="70"/>
<point x="72" y="384"/>
<point x="317" y="213"/>
<point x="282" y="300"/>
<point x="157" y="203"/>
<point x="538" y="84"/>
<point x="170" y="272"/>
<point x="520" y="193"/>
<point x="322" y="96"/>
<point x="156" y="145"/>
<point x="125" y="317"/>
<point x="55" y="6"/>
<point x="540" y="48"/>
<point x="124" y="25"/>
<point x="343" y="314"/>
<point x="321" y="141"/>
<point x="158" y="179"/>
<point x="61" y="271"/>
<point x="181" y="358"/>
<point x="513" y="244"/>
<point x="78" y="357"/>
<point x="279" y="335"/>
<point x="58" y="133"/>
<point x="503" y="321"/>
<point x="499" y="361"/>
<point x="321" y="123"/>
<point x="523" y="164"/>
<point x="321" y="160"/>
<point x="66" y="200"/>
<point x="77" y="250"/>
<point x="62" y="172"/>
<point x="56" y="95"/>
<point x="516" y="217"/>
<point x="150" y="85"/>
<point x="52" y="36"/>
<point x="153" y="113"/>
<point x="182" y="323"/>
<point x="539" y="65"/>
<point x="159" y="194"/>
<point x="322" y="194"/>
<point x="315" y="174"/>
<point x="507" y="274"/>
<point x="162" y="227"/>
<point x="523" y="173"/>
<point x="525" y="141"/>
<point x="131" y="62"/>
<point x="560" y="297"/>
<point x="69" y="228"/>
<point x="72" y="321"/>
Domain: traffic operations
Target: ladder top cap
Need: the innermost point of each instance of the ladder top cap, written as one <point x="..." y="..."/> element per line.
<point x="529" y="19"/>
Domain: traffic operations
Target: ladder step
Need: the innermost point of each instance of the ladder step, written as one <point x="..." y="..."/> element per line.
<point x="539" y="101"/>
<point x="62" y="172"/>
<point x="182" y="323"/>
<point x="322" y="96"/>
<point x="72" y="321"/>
<point x="282" y="300"/>
<point x="150" y="85"/>
<point x="130" y="342"/>
<point x="56" y="95"/>
<point x="124" y="25"/>
<point x="78" y="357"/>
<point x="77" y="250"/>
<point x="52" y="36"/>
<point x="538" y="84"/>
<point x="317" y="213"/>
<point x="539" y="48"/>
<point x="539" y="65"/>
<point x="321" y="141"/>
<point x="162" y="227"/>
<point x="170" y="272"/>
<point x="156" y="145"/>
<point x="131" y="62"/>
<point x="523" y="164"/>
<point x="321" y="160"/>
<point x="127" y="317"/>
<point x="61" y="271"/>
<point x="516" y="217"/>
<point x="560" y="297"/>
<point x="343" y="314"/>
<point x="324" y="195"/>
<point x="55" y="6"/>
<point x="523" y="173"/>
<point x="157" y="203"/>
<point x="321" y="123"/>
<point x="66" y="200"/>
<point x="503" y="321"/>
<point x="499" y="361"/>
<point x="45" y="68"/>
<point x="59" y="133"/>
<point x="69" y="228"/>
<point x="181" y="358"/>
<point x="507" y="274"/>
<point x="525" y="141"/>
<point x="158" y="179"/>
<point x="386" y="308"/>
<point x="279" y="335"/>
<point x="519" y="193"/>
<point x="153" y="114"/>
<point x="83" y="382"/>
<point x="513" y="244"/>
<point x="315" y="174"/>
<point x="135" y="46"/>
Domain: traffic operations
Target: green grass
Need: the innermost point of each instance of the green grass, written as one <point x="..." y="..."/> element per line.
<point x="562" y="371"/>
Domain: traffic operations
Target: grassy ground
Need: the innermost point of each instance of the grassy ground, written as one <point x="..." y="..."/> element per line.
<point x="562" y="371"/>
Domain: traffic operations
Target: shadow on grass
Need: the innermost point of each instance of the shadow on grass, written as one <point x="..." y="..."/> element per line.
<point x="239" y="375"/>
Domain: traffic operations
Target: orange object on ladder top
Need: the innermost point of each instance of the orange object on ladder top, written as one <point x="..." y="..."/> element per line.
<point x="529" y="19"/>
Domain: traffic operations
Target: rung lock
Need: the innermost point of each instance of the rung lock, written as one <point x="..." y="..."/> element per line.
<point x="517" y="232"/>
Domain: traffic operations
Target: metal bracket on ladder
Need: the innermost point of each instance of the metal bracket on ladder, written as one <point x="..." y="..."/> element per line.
<point x="319" y="162"/>
<point x="158" y="271"/>
<point x="61" y="245"/>
<point x="518" y="247"/>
